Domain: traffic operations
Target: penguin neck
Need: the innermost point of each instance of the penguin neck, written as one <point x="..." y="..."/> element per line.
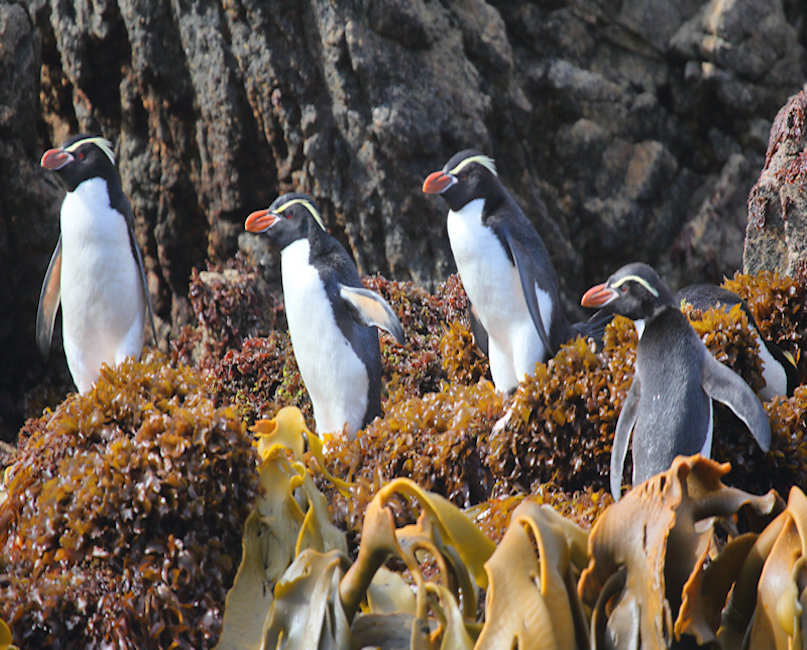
<point x="87" y="215"/>
<point x="657" y="317"/>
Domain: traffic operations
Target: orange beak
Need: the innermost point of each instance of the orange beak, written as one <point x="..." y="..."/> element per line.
<point x="55" y="159"/>
<point x="438" y="182"/>
<point x="598" y="296"/>
<point x="260" y="220"/>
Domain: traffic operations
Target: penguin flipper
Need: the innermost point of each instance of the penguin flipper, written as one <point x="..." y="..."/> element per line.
<point x="594" y="327"/>
<point x="477" y="329"/>
<point x="726" y="386"/>
<point x="49" y="298"/>
<point x="368" y="308"/>
<point x="142" y="268"/>
<point x="624" y="427"/>
<point x="528" y="272"/>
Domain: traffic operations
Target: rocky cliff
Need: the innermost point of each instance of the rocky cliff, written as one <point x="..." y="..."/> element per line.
<point x="628" y="130"/>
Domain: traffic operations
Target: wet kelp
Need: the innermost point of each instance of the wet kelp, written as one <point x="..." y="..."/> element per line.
<point x="124" y="511"/>
<point x="654" y="567"/>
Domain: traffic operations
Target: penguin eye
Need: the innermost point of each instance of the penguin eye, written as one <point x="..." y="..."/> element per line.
<point x="80" y="155"/>
<point x="464" y="176"/>
<point x="624" y="288"/>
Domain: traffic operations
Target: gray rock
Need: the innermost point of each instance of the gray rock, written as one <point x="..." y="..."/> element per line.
<point x="776" y="234"/>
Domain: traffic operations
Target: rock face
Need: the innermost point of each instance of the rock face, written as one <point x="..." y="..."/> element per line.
<point x="628" y="130"/>
<point x="776" y="237"/>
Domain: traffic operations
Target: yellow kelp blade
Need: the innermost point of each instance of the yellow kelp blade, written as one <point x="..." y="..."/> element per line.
<point x="276" y="531"/>
<point x="456" y="528"/>
<point x="5" y="637"/>
<point x="657" y="540"/>
<point x="423" y="539"/>
<point x="249" y="599"/>
<point x="288" y="429"/>
<point x="532" y="601"/>
<point x="389" y="592"/>
<point x="307" y="612"/>
<point x="778" y="622"/>
<point x="317" y="531"/>
<point x="455" y="634"/>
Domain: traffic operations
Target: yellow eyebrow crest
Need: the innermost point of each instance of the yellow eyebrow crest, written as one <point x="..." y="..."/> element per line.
<point x="485" y="161"/>
<point x="307" y="205"/>
<point x="637" y="279"/>
<point x="102" y="143"/>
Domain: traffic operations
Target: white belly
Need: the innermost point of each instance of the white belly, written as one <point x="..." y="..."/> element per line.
<point x="772" y="371"/>
<point x="102" y="301"/>
<point x="333" y="374"/>
<point x="494" y="288"/>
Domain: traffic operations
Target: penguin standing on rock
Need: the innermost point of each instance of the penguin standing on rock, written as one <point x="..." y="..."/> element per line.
<point x="669" y="404"/>
<point x="504" y="267"/>
<point x="96" y="271"/>
<point x="331" y="317"/>
<point x="778" y="366"/>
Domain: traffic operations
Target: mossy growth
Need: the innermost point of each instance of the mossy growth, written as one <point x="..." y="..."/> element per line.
<point x="583" y="507"/>
<point x="438" y="441"/>
<point x="124" y="513"/>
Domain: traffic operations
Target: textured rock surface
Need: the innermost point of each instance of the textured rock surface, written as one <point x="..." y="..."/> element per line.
<point x="776" y="237"/>
<point x="627" y="130"/>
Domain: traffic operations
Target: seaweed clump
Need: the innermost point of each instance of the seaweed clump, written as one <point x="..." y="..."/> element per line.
<point x="779" y="306"/>
<point x="438" y="441"/>
<point x="231" y="303"/>
<point x="124" y="513"/>
<point x="260" y="378"/>
<point x="562" y="418"/>
<point x="419" y="366"/>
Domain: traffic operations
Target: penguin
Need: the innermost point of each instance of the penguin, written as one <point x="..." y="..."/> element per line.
<point x="331" y="317"/>
<point x="505" y="270"/>
<point x="669" y="404"/>
<point x="96" y="272"/>
<point x="778" y="366"/>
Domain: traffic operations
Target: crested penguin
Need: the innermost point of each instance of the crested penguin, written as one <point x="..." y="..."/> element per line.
<point x="96" y="271"/>
<point x="669" y="404"/>
<point x="778" y="366"/>
<point x="505" y="270"/>
<point x="331" y="317"/>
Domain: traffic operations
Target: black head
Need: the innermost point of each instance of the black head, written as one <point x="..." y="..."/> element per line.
<point x="80" y="158"/>
<point x="635" y="291"/>
<point x="289" y="218"/>
<point x="468" y="175"/>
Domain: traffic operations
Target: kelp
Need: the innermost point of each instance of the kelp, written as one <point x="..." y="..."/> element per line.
<point x="445" y="429"/>
<point x="648" y="556"/>
<point x="290" y="516"/>
<point x="767" y="608"/>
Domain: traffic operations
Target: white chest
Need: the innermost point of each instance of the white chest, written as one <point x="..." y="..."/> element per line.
<point x="95" y="241"/>
<point x="102" y="297"/>
<point x="489" y="277"/>
<point x="333" y="374"/>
